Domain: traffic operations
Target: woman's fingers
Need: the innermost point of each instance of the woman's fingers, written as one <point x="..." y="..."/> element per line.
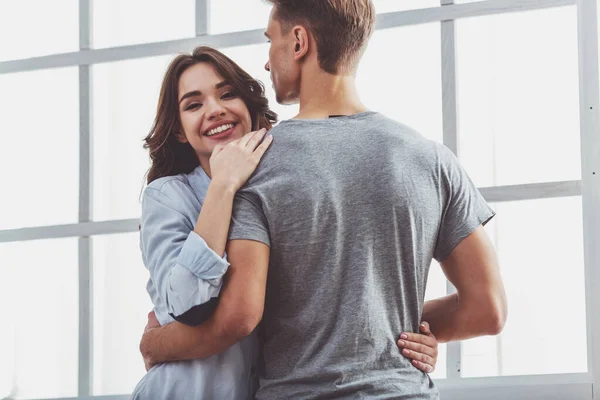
<point x="415" y="355"/>
<point x="425" y="328"/>
<point x="418" y="338"/>
<point x="262" y="148"/>
<point x="255" y="140"/>
<point x="416" y="347"/>
<point x="243" y="141"/>
<point x="423" y="366"/>
<point x="421" y="348"/>
<point x="252" y="139"/>
<point x="218" y="148"/>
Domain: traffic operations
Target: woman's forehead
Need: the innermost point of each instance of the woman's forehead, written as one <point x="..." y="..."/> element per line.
<point x="201" y="76"/>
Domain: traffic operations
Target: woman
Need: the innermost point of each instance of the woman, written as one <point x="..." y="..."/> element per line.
<point x="202" y="153"/>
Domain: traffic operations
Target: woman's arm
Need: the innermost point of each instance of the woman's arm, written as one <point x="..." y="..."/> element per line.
<point x="213" y="222"/>
<point x="230" y="168"/>
<point x="186" y="261"/>
<point x="186" y="274"/>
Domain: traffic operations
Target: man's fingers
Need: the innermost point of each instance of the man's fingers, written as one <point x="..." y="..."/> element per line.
<point x="152" y="321"/>
<point x="422" y="366"/>
<point x="417" y="348"/>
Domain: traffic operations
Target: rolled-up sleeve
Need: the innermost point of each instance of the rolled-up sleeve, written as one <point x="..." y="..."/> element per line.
<point x="200" y="259"/>
<point x="187" y="273"/>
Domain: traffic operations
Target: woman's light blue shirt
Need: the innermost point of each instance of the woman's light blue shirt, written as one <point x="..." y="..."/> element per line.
<point x="184" y="285"/>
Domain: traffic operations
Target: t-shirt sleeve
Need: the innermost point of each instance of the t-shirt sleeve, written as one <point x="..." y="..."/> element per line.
<point x="464" y="209"/>
<point x="248" y="220"/>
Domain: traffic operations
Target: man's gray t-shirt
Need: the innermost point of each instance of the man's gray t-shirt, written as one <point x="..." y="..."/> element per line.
<point x="354" y="208"/>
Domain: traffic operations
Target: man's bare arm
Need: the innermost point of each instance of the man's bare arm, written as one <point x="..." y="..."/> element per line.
<point x="240" y="309"/>
<point x="479" y="306"/>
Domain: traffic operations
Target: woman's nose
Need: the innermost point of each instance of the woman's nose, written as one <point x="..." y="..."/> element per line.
<point x="216" y="110"/>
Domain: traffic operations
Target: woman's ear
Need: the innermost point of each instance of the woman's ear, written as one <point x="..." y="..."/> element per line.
<point x="181" y="138"/>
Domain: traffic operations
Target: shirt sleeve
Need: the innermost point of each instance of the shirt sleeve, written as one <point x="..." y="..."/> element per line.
<point x="248" y="221"/>
<point x="187" y="274"/>
<point x="464" y="209"/>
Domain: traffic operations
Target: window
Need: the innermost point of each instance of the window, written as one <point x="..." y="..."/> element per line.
<point x="542" y="267"/>
<point x="519" y="107"/>
<point x="39" y="324"/>
<point x="384" y="6"/>
<point x="125" y="97"/>
<point x="40" y="146"/>
<point x="121" y="306"/>
<point x="28" y="32"/>
<point x="249" y="14"/>
<point x="526" y="132"/>
<point x="121" y="23"/>
<point x="519" y="124"/>
<point x="407" y="85"/>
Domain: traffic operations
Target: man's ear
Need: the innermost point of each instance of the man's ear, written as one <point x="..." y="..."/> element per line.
<point x="301" y="42"/>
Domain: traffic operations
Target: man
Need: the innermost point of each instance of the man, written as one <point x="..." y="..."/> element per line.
<point x="344" y="215"/>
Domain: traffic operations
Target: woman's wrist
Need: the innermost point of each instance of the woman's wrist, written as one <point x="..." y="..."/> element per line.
<point x="223" y="187"/>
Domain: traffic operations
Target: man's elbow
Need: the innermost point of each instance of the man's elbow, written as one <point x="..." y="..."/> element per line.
<point x="497" y="315"/>
<point x="240" y="325"/>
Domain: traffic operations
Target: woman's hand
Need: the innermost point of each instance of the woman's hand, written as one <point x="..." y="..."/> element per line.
<point x="421" y="348"/>
<point x="233" y="163"/>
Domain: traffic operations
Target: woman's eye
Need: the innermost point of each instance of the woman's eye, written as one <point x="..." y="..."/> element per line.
<point x="193" y="106"/>
<point x="228" y="95"/>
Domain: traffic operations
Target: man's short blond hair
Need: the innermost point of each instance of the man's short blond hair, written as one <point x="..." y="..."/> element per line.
<point x="341" y="28"/>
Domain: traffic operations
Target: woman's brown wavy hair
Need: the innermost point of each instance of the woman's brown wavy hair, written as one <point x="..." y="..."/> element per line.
<point x="168" y="155"/>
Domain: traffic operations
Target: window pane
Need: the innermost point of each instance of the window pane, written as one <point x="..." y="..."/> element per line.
<point x="436" y="287"/>
<point x="120" y="23"/>
<point x="383" y="6"/>
<point x="249" y="14"/>
<point x="125" y="96"/>
<point x="540" y="248"/>
<point x="39" y="334"/>
<point x="121" y="306"/>
<point x="406" y="88"/>
<point x="27" y="31"/>
<point x="518" y="97"/>
<point x="39" y="155"/>
<point x="253" y="59"/>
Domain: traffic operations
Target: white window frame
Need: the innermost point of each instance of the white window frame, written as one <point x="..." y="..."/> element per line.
<point x="542" y="387"/>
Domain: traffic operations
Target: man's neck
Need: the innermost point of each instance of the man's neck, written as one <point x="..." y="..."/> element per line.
<point x="323" y="95"/>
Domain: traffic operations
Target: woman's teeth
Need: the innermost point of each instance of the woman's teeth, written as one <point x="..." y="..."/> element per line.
<point x="219" y="129"/>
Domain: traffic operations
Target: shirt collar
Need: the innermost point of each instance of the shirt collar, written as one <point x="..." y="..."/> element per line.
<point x="199" y="182"/>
